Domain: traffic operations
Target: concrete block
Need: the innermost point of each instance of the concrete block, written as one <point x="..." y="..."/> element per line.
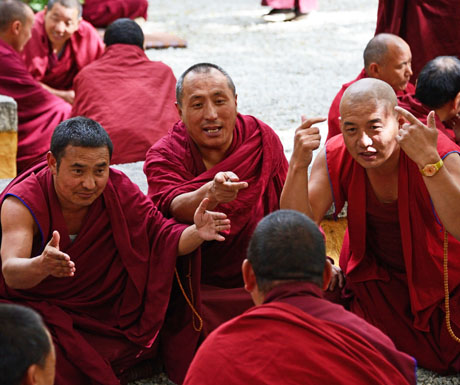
<point x="8" y="136"/>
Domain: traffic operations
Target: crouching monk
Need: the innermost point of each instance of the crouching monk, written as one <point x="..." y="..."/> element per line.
<point x="83" y="246"/>
<point x="401" y="179"/>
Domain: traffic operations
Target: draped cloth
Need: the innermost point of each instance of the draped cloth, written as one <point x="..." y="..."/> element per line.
<point x="304" y="6"/>
<point x="101" y="13"/>
<point x="39" y="112"/>
<point x="110" y="313"/>
<point x="436" y="20"/>
<point x="334" y="111"/>
<point x="130" y="96"/>
<point x="84" y="46"/>
<point x="403" y="295"/>
<point x="277" y="342"/>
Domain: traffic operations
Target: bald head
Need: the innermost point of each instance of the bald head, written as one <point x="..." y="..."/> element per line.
<point x="12" y="10"/>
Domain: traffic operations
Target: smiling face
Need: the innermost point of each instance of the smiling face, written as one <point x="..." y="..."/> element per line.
<point x="60" y="24"/>
<point x="208" y="110"/>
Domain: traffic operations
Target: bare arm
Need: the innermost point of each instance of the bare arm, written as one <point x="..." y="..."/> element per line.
<point x="67" y="95"/>
<point x="20" y="270"/>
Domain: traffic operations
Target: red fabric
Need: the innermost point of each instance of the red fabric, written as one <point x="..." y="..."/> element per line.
<point x="435" y="20"/>
<point x="101" y="13"/>
<point x="334" y="111"/>
<point x="304" y="6"/>
<point x="406" y="305"/>
<point x="39" y="112"/>
<point x="84" y="46"/>
<point x="278" y="342"/>
<point x="131" y="96"/>
<point x="125" y="255"/>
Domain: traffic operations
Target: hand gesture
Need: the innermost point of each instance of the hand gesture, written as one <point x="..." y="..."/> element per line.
<point x="225" y="187"/>
<point x="417" y="140"/>
<point x="210" y="223"/>
<point x="306" y="140"/>
<point x="337" y="277"/>
<point x="54" y="262"/>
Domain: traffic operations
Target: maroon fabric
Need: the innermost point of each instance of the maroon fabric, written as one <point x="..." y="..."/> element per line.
<point x="108" y="316"/>
<point x="101" y="13"/>
<point x="420" y="111"/>
<point x="131" y="96"/>
<point x="436" y="21"/>
<point x="406" y="305"/>
<point x="277" y="342"/>
<point x="334" y="111"/>
<point x="84" y="46"/>
<point x="39" y="112"/>
<point x="304" y="6"/>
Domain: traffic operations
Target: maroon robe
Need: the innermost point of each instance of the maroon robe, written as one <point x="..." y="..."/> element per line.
<point x="84" y="46"/>
<point x="303" y="6"/>
<point x="130" y="96"/>
<point x="109" y="314"/>
<point x="392" y="258"/>
<point x="278" y="343"/>
<point x="101" y="13"/>
<point x="334" y="111"/>
<point x="436" y="21"/>
<point x="39" y="112"/>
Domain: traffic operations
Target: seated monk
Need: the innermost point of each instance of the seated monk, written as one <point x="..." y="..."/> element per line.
<point x="402" y="185"/>
<point x="38" y="110"/>
<point x="287" y="10"/>
<point x="83" y="246"/>
<point x="101" y="13"/>
<point x="131" y="96"/>
<point x="236" y="161"/>
<point x="386" y="57"/>
<point x="293" y="332"/>
<point x="61" y="45"/>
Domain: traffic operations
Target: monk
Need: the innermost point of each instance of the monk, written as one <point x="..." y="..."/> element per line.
<point x="61" y="45"/>
<point x="102" y="13"/>
<point x="38" y="110"/>
<point x="236" y="161"/>
<point x="433" y="20"/>
<point x="402" y="184"/>
<point x="386" y="57"/>
<point x="288" y="10"/>
<point x="131" y="96"/>
<point x="83" y="246"/>
<point x="293" y="332"/>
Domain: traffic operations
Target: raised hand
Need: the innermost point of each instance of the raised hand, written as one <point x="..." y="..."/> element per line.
<point x="225" y="187"/>
<point x="209" y="223"/>
<point x="54" y="262"/>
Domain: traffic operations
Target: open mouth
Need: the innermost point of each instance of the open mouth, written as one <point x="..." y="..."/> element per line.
<point x="212" y="130"/>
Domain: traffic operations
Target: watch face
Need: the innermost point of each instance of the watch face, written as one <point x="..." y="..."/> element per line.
<point x="430" y="170"/>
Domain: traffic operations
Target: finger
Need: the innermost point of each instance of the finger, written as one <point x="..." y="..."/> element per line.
<point x="219" y="237"/>
<point x="303" y="119"/>
<point x="202" y="206"/>
<point x="235" y="186"/>
<point x="231" y="176"/>
<point x="307" y="123"/>
<point x="220" y="177"/>
<point x="431" y="120"/>
<point x="341" y="279"/>
<point x="332" y="283"/>
<point x="217" y="215"/>
<point x="407" y="115"/>
<point x="54" y="241"/>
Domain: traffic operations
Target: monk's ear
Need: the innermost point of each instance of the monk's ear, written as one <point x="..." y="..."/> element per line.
<point x="52" y="162"/>
<point x="179" y="110"/>
<point x="457" y="102"/>
<point x="31" y="376"/>
<point x="236" y="100"/>
<point x="15" y="27"/>
<point x="327" y="274"/>
<point x="373" y="70"/>
<point x="249" y="277"/>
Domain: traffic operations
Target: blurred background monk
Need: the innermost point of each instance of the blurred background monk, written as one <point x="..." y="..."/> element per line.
<point x="236" y="161"/>
<point x="38" y="110"/>
<point x="132" y="97"/>
<point x="293" y="332"/>
<point x="402" y="184"/>
<point x="287" y="10"/>
<point x="101" y="13"/>
<point x="386" y="57"/>
<point x="61" y="45"/>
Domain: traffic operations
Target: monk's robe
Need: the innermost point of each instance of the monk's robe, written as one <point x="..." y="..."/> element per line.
<point x="278" y="343"/>
<point x="334" y="111"/>
<point x="174" y="166"/>
<point x="107" y="317"/>
<point x="410" y="103"/>
<point x="392" y="258"/>
<point x="101" y="13"/>
<point x="303" y="6"/>
<point x="132" y="97"/>
<point x="436" y="20"/>
<point x="39" y="112"/>
<point x="84" y="46"/>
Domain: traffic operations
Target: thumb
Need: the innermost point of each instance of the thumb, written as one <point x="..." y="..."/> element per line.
<point x="203" y="205"/>
<point x="431" y="120"/>
<point x="54" y="241"/>
<point x="303" y="118"/>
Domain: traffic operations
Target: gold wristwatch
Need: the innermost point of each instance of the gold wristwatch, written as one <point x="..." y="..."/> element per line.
<point x="431" y="168"/>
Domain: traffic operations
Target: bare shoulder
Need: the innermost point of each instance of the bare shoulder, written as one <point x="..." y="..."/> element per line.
<point x="14" y="214"/>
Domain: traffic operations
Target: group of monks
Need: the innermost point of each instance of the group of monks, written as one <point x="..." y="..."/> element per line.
<point x="122" y="279"/>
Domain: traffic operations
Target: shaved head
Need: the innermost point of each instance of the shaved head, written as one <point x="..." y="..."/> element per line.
<point x="12" y="10"/>
<point x="378" y="48"/>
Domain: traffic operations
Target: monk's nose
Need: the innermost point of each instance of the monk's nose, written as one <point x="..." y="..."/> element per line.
<point x="365" y="140"/>
<point x="409" y="70"/>
<point x="60" y="27"/>
<point x="89" y="183"/>
<point x="210" y="112"/>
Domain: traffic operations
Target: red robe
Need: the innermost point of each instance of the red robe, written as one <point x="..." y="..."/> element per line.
<point x="39" y="112"/>
<point x="84" y="46"/>
<point x="105" y="91"/>
<point x="111" y="311"/>
<point x="334" y="111"/>
<point x="278" y="343"/>
<point x="304" y="6"/>
<point x="101" y="13"/>
<point x="435" y="20"/>
<point x="397" y="279"/>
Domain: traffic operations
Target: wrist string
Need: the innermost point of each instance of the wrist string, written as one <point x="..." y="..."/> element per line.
<point x="446" y="290"/>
